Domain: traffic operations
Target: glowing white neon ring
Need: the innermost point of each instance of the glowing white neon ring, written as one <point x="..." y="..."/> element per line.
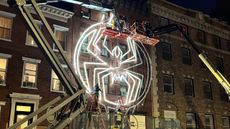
<point x="140" y="83"/>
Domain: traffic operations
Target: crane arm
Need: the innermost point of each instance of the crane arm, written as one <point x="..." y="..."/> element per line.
<point x="74" y="101"/>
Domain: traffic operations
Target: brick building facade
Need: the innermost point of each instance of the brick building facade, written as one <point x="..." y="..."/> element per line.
<point x="182" y="88"/>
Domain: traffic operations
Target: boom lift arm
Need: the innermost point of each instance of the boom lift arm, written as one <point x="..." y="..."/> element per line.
<point x="174" y="27"/>
<point x="66" y="106"/>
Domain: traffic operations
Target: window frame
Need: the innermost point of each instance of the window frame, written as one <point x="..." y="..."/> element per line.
<point x="2" y="103"/>
<point x="223" y="95"/>
<point x="216" y="42"/>
<point x="191" y="81"/>
<point x="168" y="84"/>
<point x="23" y="98"/>
<point x="186" y="59"/>
<point x="31" y="61"/>
<point x="104" y="51"/>
<point x="9" y="16"/>
<point x="194" y="121"/>
<point x="202" y="38"/>
<point x="224" y="126"/>
<point x="7" y="57"/>
<point x="39" y="23"/>
<point x="51" y="84"/>
<point x="212" y="119"/>
<point x="209" y="86"/>
<point x="62" y="29"/>
<point x="166" y="55"/>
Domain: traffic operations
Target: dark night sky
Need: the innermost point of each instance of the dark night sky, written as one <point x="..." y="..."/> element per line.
<point x="205" y="6"/>
<point x="215" y="8"/>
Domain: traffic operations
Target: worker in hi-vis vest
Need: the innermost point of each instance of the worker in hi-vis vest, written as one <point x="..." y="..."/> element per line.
<point x="118" y="120"/>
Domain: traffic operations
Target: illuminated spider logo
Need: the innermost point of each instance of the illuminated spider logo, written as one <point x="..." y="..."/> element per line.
<point x="121" y="67"/>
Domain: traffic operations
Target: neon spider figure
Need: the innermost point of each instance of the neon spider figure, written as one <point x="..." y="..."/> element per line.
<point x="124" y="75"/>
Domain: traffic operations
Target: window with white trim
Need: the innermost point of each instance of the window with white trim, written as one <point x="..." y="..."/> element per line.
<point x="21" y="111"/>
<point x="3" y="70"/>
<point x="29" y="39"/>
<point x="225" y="122"/>
<point x="56" y="85"/>
<point x="21" y="106"/>
<point x="209" y="122"/>
<point x="61" y="35"/>
<point x="191" y="121"/>
<point x="29" y="76"/>
<point x="4" y="58"/>
<point x="5" y="27"/>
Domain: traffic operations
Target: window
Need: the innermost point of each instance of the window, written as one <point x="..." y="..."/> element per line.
<point x="228" y="46"/>
<point x="124" y="86"/>
<point x="104" y="52"/>
<point x="124" y="50"/>
<point x="166" y="52"/>
<point x="200" y="36"/>
<point x="223" y="94"/>
<point x="84" y="75"/>
<point x="164" y="21"/>
<point x="191" y="121"/>
<point x="207" y="90"/>
<point x="84" y="45"/>
<point x="29" y="39"/>
<point x="216" y="42"/>
<point x="56" y="85"/>
<point x="186" y="56"/>
<point x="189" y="88"/>
<point x="21" y="111"/>
<point x="3" y="69"/>
<point x="29" y="78"/>
<point x="5" y="27"/>
<point x="209" y="123"/>
<point x="85" y="13"/>
<point x="225" y="122"/>
<point x="220" y="64"/>
<point x="2" y="103"/>
<point x="61" y="35"/>
<point x="106" y="82"/>
<point x="21" y="106"/>
<point x="168" y="83"/>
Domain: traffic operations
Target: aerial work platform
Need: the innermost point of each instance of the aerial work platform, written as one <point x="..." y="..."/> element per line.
<point x="139" y="37"/>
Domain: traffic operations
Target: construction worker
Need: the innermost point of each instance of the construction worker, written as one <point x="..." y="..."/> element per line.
<point x="118" y="119"/>
<point x="147" y="29"/>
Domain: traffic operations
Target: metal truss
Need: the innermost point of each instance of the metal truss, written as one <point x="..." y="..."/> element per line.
<point x="67" y="106"/>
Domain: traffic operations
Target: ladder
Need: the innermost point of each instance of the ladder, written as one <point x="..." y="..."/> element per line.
<point x="67" y="106"/>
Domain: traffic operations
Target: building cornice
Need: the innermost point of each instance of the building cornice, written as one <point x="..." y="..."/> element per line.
<point x="55" y="13"/>
<point x="193" y="22"/>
